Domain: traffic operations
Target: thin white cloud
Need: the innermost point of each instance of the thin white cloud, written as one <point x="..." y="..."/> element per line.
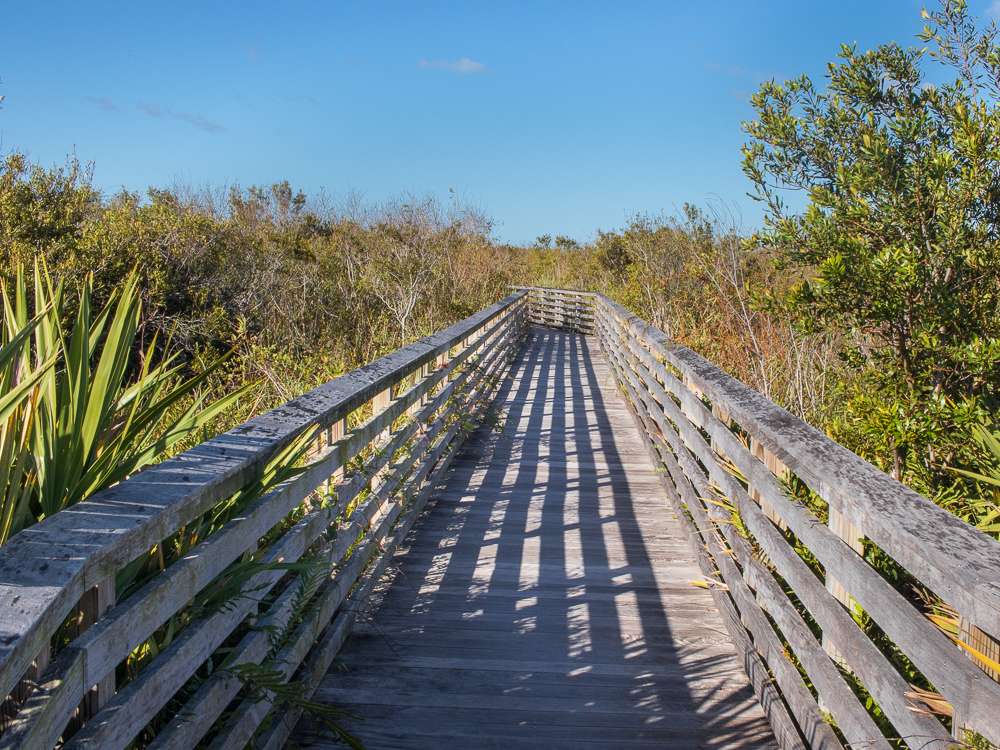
<point x="102" y="102"/>
<point x="199" y="121"/>
<point x="994" y="10"/>
<point x="462" y="66"/>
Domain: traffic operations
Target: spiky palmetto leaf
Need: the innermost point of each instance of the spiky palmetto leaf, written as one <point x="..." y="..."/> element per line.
<point x="75" y="419"/>
<point x="990" y="443"/>
<point x="94" y="428"/>
<point x="983" y="512"/>
<point x="19" y="393"/>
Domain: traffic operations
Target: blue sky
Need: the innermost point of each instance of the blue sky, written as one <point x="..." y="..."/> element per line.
<point x="559" y="118"/>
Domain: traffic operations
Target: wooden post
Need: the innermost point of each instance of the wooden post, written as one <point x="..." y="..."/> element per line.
<point x="466" y="343"/>
<point x="422" y="373"/>
<point x="26" y="687"/>
<point x="93" y="605"/>
<point x="723" y="416"/>
<point x="776" y="467"/>
<point x="379" y="404"/>
<point x="336" y="432"/>
<point x="985" y="644"/>
<point x="854" y="538"/>
<point x="689" y="384"/>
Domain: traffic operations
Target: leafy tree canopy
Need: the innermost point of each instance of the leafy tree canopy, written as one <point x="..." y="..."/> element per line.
<point x="895" y="166"/>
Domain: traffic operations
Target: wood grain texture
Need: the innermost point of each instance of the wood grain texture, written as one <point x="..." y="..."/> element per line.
<point x="47" y="568"/>
<point x="916" y="533"/>
<point x="561" y="309"/>
<point x="545" y="600"/>
<point x="964" y="685"/>
<point x="886" y="685"/>
<point x="692" y="486"/>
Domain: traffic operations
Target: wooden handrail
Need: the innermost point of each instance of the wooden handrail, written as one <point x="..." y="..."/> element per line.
<point x="701" y="424"/>
<point x="565" y="309"/>
<point x="421" y="396"/>
<point x="784" y="523"/>
<point x="793" y="585"/>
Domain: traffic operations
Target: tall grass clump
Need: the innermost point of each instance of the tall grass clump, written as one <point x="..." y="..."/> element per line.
<point x="82" y="406"/>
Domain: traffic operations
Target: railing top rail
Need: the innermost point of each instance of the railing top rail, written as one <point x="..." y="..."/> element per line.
<point x="45" y="569"/>
<point x="957" y="561"/>
<point x="579" y="292"/>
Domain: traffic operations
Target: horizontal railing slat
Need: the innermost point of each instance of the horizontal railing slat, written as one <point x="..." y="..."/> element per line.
<point x="817" y="732"/>
<point x="711" y="469"/>
<point x="774" y="601"/>
<point x="46" y="568"/>
<point x="130" y="709"/>
<point x="919" y="535"/>
<point x="761" y="681"/>
<point x="885" y="683"/>
<point x="559" y="308"/>
<point x="329" y="642"/>
<point x="854" y="721"/>
<point x="94" y="539"/>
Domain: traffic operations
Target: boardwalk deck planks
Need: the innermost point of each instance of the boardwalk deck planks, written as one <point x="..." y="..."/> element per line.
<point x="528" y="586"/>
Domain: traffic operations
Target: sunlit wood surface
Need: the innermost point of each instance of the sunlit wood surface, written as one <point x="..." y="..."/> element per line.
<point x="545" y="600"/>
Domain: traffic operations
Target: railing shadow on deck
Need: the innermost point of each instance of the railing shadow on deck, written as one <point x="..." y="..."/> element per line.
<point x="832" y="648"/>
<point x="503" y="553"/>
<point x="85" y="668"/>
<point x="838" y="654"/>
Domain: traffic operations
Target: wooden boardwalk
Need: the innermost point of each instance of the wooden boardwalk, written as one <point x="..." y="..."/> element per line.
<point x="526" y="587"/>
<point x="545" y="599"/>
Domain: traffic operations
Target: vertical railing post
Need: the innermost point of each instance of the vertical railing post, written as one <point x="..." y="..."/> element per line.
<point x="442" y="361"/>
<point x="722" y="415"/>
<point x="776" y="467"/>
<point x="422" y="372"/>
<point x="853" y="537"/>
<point x="334" y="433"/>
<point x="93" y="605"/>
<point x="988" y="646"/>
<point x="379" y="404"/>
<point x="690" y="385"/>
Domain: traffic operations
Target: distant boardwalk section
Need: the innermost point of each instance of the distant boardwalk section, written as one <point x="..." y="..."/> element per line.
<point x="546" y="598"/>
<point x="545" y="526"/>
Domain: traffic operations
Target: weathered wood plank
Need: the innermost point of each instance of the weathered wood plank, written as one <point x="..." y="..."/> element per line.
<point x="692" y="486"/>
<point x="331" y="640"/>
<point x="93" y="655"/>
<point x="416" y="728"/>
<point x="784" y="726"/>
<point x="212" y="697"/>
<point x="102" y="647"/>
<point x="918" y="534"/>
<point x="884" y="681"/>
<point x="960" y="681"/>
<point x="581" y="594"/>
<point x="48" y="567"/>
<point x="555" y="557"/>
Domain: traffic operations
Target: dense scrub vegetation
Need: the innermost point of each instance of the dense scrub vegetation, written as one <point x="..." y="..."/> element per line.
<point x="872" y="311"/>
<point x="135" y="325"/>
